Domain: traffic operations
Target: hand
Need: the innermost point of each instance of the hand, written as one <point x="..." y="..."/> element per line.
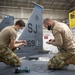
<point x="23" y="44"/>
<point x="50" y="41"/>
<point x="23" y="41"/>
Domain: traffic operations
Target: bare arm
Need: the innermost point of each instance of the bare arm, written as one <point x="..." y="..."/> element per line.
<point x="20" y="41"/>
<point x="13" y="44"/>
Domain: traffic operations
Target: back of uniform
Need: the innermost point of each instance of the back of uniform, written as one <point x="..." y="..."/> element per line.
<point x="6" y="35"/>
<point x="63" y="32"/>
<point x="64" y="40"/>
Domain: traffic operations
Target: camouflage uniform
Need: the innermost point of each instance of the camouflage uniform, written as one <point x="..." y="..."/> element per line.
<point x="66" y="46"/>
<point x="61" y="59"/>
<point x="6" y="54"/>
<point x="9" y="57"/>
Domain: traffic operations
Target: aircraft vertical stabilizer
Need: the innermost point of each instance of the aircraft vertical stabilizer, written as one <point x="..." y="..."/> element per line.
<point x="8" y="20"/>
<point x="33" y="33"/>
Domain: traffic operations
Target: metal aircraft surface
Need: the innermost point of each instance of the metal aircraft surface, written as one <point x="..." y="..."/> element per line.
<point x="8" y="20"/>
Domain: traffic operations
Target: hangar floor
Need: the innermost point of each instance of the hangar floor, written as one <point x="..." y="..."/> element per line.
<point x="37" y="67"/>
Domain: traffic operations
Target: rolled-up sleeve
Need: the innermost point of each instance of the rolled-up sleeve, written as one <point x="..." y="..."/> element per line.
<point x="58" y="38"/>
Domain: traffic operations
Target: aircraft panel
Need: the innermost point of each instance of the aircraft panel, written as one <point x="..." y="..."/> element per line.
<point x="7" y="21"/>
<point x="33" y="33"/>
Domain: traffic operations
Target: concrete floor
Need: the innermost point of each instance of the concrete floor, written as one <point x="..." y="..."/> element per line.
<point x="37" y="67"/>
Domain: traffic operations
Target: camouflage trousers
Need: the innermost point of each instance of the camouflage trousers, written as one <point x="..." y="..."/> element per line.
<point x="61" y="59"/>
<point x="9" y="57"/>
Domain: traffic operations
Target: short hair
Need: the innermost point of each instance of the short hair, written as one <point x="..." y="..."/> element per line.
<point x="46" y="20"/>
<point x="20" y="23"/>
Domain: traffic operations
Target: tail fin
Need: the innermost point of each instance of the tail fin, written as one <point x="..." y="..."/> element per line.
<point x="8" y="20"/>
<point x="33" y="33"/>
